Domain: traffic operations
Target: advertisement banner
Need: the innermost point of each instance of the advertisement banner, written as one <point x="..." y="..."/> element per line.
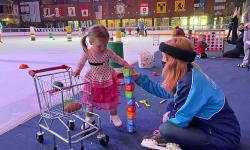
<point x="58" y="12"/>
<point x="161" y="8"/>
<point x="219" y="4"/>
<point x="85" y="12"/>
<point x="15" y="10"/>
<point x="144" y="9"/>
<point x="179" y="6"/>
<point x="71" y="11"/>
<point x="98" y="12"/>
<point x="199" y="4"/>
<point x="30" y="11"/>
<point x="46" y="12"/>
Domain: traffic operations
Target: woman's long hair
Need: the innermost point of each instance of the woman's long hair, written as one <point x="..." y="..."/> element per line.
<point x="175" y="68"/>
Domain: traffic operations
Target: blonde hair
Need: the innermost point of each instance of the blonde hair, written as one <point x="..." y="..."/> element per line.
<point x="174" y="68"/>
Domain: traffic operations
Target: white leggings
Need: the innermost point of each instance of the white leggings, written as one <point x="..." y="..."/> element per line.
<point x="246" y="47"/>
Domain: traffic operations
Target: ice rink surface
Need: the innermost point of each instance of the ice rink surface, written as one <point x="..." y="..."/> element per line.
<point x="18" y="101"/>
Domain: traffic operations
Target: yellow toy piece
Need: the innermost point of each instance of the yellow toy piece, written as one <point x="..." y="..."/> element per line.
<point x="68" y="29"/>
<point x="174" y="32"/>
<point x="118" y="36"/>
<point x="144" y="102"/>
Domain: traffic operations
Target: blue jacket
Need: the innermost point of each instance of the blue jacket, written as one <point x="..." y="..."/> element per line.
<point x="198" y="101"/>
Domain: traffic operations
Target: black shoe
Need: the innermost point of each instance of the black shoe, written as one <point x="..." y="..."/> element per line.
<point x="203" y="55"/>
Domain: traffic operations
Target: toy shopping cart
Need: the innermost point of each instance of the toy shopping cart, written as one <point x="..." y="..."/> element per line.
<point x="59" y="95"/>
<point x="156" y="40"/>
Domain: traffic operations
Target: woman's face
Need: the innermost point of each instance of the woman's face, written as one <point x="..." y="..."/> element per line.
<point x="164" y="57"/>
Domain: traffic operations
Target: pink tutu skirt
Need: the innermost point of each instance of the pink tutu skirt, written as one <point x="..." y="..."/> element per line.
<point x="106" y="98"/>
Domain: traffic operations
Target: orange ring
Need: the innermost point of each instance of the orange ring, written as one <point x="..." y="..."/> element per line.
<point x="131" y="115"/>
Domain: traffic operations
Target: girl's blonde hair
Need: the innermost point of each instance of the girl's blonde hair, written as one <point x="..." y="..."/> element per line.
<point x="96" y="31"/>
<point x="174" y="68"/>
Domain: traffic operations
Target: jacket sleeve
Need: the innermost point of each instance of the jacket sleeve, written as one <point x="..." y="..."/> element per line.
<point x="188" y="102"/>
<point x="152" y="87"/>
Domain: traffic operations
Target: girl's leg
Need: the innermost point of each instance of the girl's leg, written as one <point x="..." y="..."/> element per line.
<point x="115" y="118"/>
<point x="89" y="111"/>
<point x="88" y="117"/>
<point x="113" y="112"/>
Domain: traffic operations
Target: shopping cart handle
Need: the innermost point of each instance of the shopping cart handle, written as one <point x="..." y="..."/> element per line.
<point x="33" y="72"/>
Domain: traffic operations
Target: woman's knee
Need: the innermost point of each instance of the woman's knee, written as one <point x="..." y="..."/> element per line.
<point x="168" y="131"/>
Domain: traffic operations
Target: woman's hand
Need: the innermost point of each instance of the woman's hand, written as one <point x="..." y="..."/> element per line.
<point x="126" y="65"/>
<point x="135" y="74"/>
<point x="165" y="117"/>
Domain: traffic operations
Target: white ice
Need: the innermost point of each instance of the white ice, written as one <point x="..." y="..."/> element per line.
<point x="18" y="101"/>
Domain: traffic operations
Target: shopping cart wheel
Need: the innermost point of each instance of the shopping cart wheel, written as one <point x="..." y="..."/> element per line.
<point x="103" y="139"/>
<point x="82" y="148"/>
<point x="71" y="124"/>
<point x="39" y="137"/>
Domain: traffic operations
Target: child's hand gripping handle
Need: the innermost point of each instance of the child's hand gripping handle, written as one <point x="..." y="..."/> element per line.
<point x="34" y="72"/>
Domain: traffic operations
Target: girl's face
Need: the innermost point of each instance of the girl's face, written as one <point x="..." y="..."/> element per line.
<point x="99" y="44"/>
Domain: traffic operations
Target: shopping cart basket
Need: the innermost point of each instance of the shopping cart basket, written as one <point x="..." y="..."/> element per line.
<point x="57" y="90"/>
<point x="156" y="40"/>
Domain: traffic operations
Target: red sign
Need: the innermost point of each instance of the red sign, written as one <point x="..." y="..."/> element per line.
<point x="85" y="12"/>
<point x="58" y="12"/>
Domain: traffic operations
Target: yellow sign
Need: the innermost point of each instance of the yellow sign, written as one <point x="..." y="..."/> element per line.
<point x="179" y="5"/>
<point x="161" y="8"/>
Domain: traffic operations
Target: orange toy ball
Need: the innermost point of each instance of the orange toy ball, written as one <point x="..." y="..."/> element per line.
<point x="23" y="66"/>
<point x="72" y="107"/>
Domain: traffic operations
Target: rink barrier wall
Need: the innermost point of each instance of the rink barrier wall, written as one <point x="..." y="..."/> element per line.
<point x="150" y="33"/>
<point x="161" y="31"/>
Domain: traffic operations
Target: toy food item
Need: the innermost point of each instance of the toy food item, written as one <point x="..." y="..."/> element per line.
<point x="72" y="107"/>
<point x="58" y="85"/>
<point x="23" y="66"/>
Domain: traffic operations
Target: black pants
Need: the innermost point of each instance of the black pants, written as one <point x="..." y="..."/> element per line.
<point x="234" y="34"/>
<point x="193" y="138"/>
<point x="229" y="32"/>
<point x="234" y="53"/>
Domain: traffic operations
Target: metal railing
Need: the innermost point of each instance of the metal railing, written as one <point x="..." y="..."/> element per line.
<point x="224" y="26"/>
